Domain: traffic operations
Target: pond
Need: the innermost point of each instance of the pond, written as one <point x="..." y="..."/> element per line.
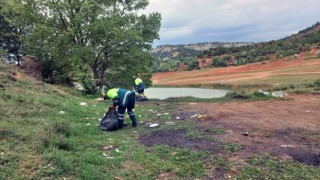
<point x="167" y="92"/>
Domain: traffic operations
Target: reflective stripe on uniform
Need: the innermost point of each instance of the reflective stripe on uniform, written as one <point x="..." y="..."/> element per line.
<point x="125" y="97"/>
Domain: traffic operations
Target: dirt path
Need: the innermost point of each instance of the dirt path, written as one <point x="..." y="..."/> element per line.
<point x="286" y="128"/>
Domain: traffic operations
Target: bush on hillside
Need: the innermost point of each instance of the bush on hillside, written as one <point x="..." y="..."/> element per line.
<point x="317" y="83"/>
<point x="218" y="62"/>
<point x="194" y="64"/>
<point x="88" y="83"/>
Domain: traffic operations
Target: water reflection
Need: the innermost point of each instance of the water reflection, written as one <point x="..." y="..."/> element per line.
<point x="167" y="92"/>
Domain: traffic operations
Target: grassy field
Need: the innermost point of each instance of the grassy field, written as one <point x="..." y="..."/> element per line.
<point x="46" y="133"/>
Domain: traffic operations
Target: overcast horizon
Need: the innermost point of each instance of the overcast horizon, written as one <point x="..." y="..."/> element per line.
<point x="197" y="21"/>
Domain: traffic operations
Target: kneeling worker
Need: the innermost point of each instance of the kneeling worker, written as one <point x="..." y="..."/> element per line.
<point x="125" y="99"/>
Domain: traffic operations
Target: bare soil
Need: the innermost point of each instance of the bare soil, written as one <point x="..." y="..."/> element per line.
<point x="288" y="128"/>
<point x="232" y="74"/>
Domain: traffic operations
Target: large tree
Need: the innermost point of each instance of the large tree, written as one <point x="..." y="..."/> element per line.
<point x="10" y="43"/>
<point x="103" y="37"/>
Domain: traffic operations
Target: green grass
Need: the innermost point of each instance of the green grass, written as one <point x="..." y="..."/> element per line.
<point x="268" y="167"/>
<point x="38" y="141"/>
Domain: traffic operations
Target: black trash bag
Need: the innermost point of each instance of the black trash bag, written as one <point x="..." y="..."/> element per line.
<point x="141" y="98"/>
<point x="110" y="122"/>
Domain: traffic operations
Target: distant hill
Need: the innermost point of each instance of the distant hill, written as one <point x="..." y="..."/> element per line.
<point x="167" y="52"/>
<point x="194" y="56"/>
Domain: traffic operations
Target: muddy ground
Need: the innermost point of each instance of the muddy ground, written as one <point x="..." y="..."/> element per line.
<point x="289" y="128"/>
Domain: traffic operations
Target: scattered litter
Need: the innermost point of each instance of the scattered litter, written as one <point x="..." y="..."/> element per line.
<point x="87" y="118"/>
<point x="107" y="148"/>
<point x="201" y="116"/>
<point x="110" y="139"/>
<point x="151" y="110"/>
<point x="139" y="115"/>
<point x="159" y="114"/>
<point x="78" y="86"/>
<point x="194" y="116"/>
<point x="141" y="122"/>
<point x="88" y="124"/>
<point x="174" y="153"/>
<point x="287" y="146"/>
<point x="2" y="153"/>
<point x="136" y="105"/>
<point x="46" y="123"/>
<point x="246" y="133"/>
<point x="181" y="109"/>
<point x="308" y="111"/>
<point x="117" y="150"/>
<point x="165" y="113"/>
<point x="178" y="118"/>
<point x="154" y="125"/>
<point x="170" y="123"/>
<point x="135" y="131"/>
<point x="83" y="103"/>
<point x="97" y="113"/>
<point x="61" y="112"/>
<point x="106" y="155"/>
<point x="192" y="103"/>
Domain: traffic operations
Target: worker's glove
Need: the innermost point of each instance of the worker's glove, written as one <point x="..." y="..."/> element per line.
<point x="112" y="106"/>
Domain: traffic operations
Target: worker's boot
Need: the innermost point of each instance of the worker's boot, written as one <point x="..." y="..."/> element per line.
<point x="120" y="124"/>
<point x="133" y="120"/>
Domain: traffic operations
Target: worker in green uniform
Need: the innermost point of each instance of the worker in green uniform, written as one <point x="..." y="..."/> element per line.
<point x="125" y="99"/>
<point x="139" y="86"/>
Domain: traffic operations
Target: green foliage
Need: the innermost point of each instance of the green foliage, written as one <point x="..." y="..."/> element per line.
<point x="88" y="83"/>
<point x="317" y="83"/>
<point x="10" y="42"/>
<point x="227" y="58"/>
<point x="109" y="37"/>
<point x="218" y="62"/>
<point x="194" y="64"/>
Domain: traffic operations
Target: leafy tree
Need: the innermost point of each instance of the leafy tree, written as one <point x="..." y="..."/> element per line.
<point x="105" y="38"/>
<point x="9" y="38"/>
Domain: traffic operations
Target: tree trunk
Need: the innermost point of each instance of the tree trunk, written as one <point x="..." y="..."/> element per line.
<point x="104" y="65"/>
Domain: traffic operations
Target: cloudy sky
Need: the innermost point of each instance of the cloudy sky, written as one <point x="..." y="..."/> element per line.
<point x="194" y="21"/>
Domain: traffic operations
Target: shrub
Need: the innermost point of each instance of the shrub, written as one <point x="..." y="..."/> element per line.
<point x="194" y="64"/>
<point x="259" y="94"/>
<point x="88" y="84"/>
<point x="317" y="83"/>
<point x="218" y="62"/>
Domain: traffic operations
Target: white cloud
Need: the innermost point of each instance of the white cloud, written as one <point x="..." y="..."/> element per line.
<point x="193" y="21"/>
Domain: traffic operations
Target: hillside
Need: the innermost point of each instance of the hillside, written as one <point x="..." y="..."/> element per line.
<point x="52" y="132"/>
<point x="173" y="58"/>
<point x="185" y="53"/>
<point x="299" y="74"/>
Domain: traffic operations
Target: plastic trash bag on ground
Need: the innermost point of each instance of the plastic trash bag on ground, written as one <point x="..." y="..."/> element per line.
<point x="110" y="122"/>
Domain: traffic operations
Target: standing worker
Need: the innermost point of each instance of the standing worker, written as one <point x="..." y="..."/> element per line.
<point x="139" y="87"/>
<point x="125" y="99"/>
